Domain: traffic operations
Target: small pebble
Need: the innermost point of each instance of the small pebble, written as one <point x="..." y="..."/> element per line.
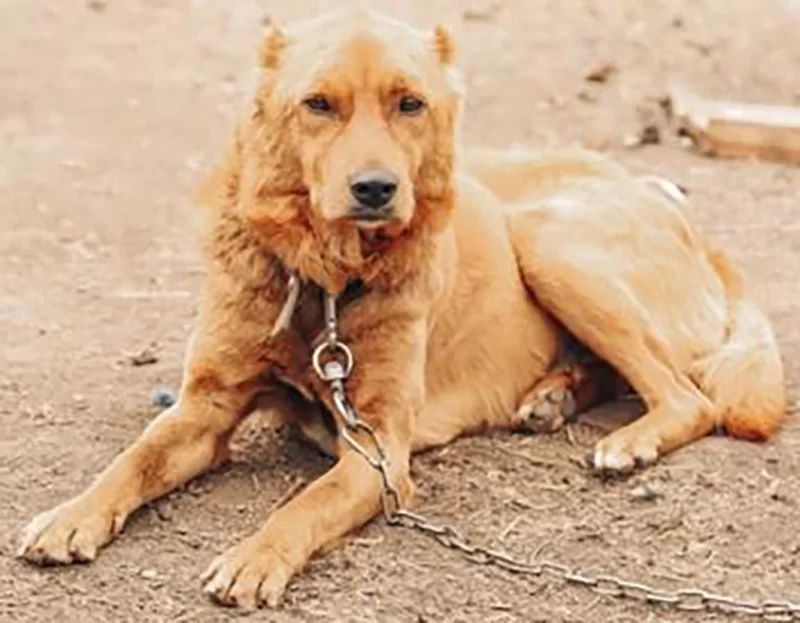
<point x="775" y="491"/>
<point x="195" y="489"/>
<point x="149" y="574"/>
<point x="163" y="397"/>
<point x="602" y="73"/>
<point x="645" y="492"/>
<point x="144" y="357"/>
<point x="163" y="512"/>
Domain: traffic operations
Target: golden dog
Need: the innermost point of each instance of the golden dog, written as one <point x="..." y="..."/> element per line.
<point x="467" y="281"/>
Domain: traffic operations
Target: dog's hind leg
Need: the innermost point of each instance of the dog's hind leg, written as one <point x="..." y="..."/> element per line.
<point x="596" y="304"/>
<point x="605" y="317"/>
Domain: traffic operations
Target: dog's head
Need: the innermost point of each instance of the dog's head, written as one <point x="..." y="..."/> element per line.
<point x="358" y="115"/>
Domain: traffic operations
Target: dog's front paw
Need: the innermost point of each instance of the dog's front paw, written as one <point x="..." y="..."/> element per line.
<point x="72" y="532"/>
<point x="622" y="451"/>
<point x="248" y="575"/>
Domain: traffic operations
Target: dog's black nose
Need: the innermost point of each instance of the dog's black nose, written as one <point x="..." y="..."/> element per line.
<point x="373" y="189"/>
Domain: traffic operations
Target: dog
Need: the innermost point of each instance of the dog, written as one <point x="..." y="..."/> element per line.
<point x="475" y="289"/>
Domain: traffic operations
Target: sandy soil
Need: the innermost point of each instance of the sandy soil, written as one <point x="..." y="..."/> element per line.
<point x="108" y="115"/>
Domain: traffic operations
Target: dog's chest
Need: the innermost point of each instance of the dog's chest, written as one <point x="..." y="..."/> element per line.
<point x="293" y="347"/>
<point x="291" y="350"/>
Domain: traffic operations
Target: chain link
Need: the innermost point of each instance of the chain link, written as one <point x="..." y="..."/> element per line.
<point x="335" y="372"/>
<point x="690" y="599"/>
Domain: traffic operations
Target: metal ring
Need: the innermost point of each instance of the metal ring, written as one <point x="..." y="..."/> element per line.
<point x="341" y="347"/>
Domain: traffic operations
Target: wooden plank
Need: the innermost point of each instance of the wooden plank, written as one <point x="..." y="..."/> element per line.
<point x="738" y="130"/>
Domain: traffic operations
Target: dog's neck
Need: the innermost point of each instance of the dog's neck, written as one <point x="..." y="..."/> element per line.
<point x="333" y="255"/>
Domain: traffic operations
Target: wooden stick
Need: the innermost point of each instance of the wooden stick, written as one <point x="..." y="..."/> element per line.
<point x="738" y="130"/>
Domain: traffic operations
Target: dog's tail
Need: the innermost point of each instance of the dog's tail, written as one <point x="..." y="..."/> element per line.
<point x="744" y="377"/>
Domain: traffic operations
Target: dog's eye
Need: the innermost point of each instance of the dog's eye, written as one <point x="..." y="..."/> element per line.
<point x="318" y="103"/>
<point x="410" y="105"/>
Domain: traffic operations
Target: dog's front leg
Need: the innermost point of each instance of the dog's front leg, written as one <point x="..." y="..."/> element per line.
<point x="182" y="442"/>
<point x="387" y="391"/>
<point x="223" y="365"/>
<point x="257" y="570"/>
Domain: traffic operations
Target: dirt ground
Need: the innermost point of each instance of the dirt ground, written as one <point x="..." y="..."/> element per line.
<point x="109" y="112"/>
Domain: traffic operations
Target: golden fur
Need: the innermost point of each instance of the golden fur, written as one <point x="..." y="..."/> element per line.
<point x="499" y="277"/>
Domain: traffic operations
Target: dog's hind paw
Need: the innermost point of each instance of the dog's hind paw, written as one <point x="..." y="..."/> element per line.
<point x="619" y="453"/>
<point x="548" y="406"/>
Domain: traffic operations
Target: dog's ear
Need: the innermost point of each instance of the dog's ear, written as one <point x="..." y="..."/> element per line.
<point x="444" y="44"/>
<point x="271" y="50"/>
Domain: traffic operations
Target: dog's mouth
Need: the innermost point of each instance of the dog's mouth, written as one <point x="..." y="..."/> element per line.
<point x="377" y="237"/>
<point x="371" y="219"/>
<point x="377" y="228"/>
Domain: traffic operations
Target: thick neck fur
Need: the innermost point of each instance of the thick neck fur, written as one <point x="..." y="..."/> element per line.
<point x="333" y="254"/>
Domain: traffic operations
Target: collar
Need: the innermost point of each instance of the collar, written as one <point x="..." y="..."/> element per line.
<point x="354" y="289"/>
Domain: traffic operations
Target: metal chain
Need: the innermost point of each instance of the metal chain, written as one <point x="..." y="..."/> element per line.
<point x="688" y="599"/>
<point x="335" y="372"/>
